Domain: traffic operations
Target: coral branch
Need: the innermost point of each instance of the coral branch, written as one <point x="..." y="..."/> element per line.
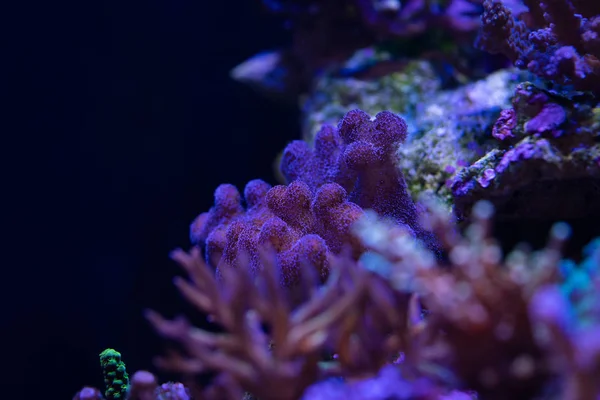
<point x="275" y="365"/>
<point x="563" y="47"/>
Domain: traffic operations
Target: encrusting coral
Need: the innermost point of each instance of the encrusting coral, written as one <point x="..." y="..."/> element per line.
<point x="547" y="149"/>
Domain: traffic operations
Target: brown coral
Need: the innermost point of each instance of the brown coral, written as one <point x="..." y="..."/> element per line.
<point x="478" y="324"/>
<point x="277" y="365"/>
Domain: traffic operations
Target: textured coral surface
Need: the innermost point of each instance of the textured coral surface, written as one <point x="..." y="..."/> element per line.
<point x="338" y="283"/>
<point x="351" y="168"/>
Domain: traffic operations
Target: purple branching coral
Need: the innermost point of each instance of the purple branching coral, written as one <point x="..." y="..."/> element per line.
<point x="558" y="40"/>
<point x="351" y="168"/>
<point x="549" y="139"/>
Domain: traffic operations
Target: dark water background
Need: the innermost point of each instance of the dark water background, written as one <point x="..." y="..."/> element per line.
<point x="123" y="120"/>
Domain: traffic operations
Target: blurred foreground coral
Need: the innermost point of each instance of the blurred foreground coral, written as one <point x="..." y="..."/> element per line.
<point x="397" y="324"/>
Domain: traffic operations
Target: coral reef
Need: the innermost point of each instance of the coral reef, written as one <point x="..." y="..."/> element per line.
<point x="467" y="339"/>
<point x="490" y="314"/>
<point x="325" y="33"/>
<point x="559" y="40"/>
<point x="547" y="162"/>
<point x="372" y="272"/>
<point x="448" y="128"/>
<point x="548" y="150"/>
<point x="400" y="323"/>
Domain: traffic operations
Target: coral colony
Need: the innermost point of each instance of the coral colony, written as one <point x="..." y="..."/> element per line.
<point x="372" y="272"/>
